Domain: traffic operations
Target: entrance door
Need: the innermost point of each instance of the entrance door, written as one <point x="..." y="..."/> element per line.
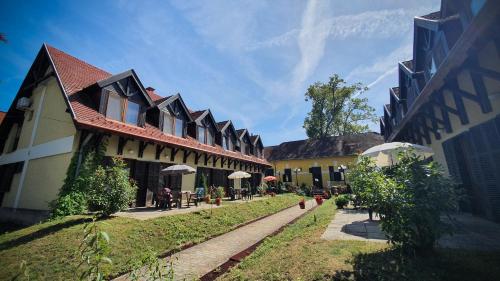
<point x="317" y="178"/>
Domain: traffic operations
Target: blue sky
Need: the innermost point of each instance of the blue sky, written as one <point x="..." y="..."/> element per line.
<point x="249" y="61"/>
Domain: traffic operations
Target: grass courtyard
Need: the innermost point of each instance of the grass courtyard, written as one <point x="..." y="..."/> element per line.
<point x="298" y="253"/>
<point x="51" y="249"/>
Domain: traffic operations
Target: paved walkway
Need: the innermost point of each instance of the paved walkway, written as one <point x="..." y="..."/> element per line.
<point x="353" y="225"/>
<point x="470" y="232"/>
<point x="151" y="212"/>
<point x="199" y="260"/>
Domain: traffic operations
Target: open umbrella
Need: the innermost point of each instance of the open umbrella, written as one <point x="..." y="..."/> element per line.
<point x="387" y="154"/>
<point x="178" y="170"/>
<point x="270" y="178"/>
<point x="239" y="175"/>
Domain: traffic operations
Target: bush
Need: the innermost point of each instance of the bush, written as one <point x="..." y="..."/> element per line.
<point x="69" y="204"/>
<point x="410" y="197"/>
<point x="110" y="189"/>
<point x="412" y="207"/>
<point x="219" y="192"/>
<point x="341" y="201"/>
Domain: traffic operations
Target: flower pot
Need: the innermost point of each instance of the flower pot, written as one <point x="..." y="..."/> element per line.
<point x="302" y="204"/>
<point x="319" y="200"/>
<point x="207" y="199"/>
<point x="217" y="201"/>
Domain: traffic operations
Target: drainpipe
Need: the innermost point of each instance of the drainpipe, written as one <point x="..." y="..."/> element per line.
<point x="80" y="153"/>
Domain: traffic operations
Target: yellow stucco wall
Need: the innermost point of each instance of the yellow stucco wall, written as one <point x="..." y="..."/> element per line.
<point x="488" y="58"/>
<point x="304" y="164"/>
<point x="54" y="122"/>
<point x="44" y="176"/>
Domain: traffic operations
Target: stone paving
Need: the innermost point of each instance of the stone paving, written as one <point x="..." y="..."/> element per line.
<point x="353" y="225"/>
<point x="151" y="212"/>
<point x="199" y="260"/>
<point x="470" y="232"/>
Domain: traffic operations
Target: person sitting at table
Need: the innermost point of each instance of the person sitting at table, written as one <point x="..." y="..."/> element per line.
<point x="165" y="197"/>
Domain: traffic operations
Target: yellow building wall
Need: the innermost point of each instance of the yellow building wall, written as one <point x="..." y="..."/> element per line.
<point x="44" y="176"/>
<point x="488" y="58"/>
<point x="55" y="122"/>
<point x="304" y="164"/>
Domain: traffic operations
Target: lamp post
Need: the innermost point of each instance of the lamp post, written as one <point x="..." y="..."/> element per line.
<point x="297" y="170"/>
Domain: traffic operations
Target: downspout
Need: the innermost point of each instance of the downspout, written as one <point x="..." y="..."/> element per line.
<point x="80" y="153"/>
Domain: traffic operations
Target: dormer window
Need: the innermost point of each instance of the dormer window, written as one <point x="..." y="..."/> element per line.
<point x="168" y="124"/>
<point x="179" y="127"/>
<point x="123" y="110"/>
<point x="201" y="134"/>
<point x="132" y="116"/>
<point x="210" y="138"/>
<point x="114" y="108"/>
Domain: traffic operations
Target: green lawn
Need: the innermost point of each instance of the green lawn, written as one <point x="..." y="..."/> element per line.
<point x="50" y="249"/>
<point x="298" y="253"/>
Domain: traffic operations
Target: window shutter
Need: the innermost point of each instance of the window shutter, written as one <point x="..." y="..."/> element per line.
<point x="451" y="160"/>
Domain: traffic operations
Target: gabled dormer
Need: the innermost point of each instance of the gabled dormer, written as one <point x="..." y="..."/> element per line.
<point x="244" y="143"/>
<point x="227" y="137"/>
<point x="174" y="116"/>
<point x="257" y="146"/>
<point x="123" y="98"/>
<point x="203" y="127"/>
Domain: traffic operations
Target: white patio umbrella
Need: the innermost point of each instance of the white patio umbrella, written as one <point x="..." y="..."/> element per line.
<point x="387" y="154"/>
<point x="178" y="170"/>
<point x="239" y="175"/>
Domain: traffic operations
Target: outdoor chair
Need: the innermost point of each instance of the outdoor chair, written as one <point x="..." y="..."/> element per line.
<point x="199" y="195"/>
<point x="176" y="199"/>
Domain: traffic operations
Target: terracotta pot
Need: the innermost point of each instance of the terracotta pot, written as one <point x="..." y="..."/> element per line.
<point x="217" y="201"/>
<point x="207" y="199"/>
<point x="319" y="200"/>
<point x="302" y="204"/>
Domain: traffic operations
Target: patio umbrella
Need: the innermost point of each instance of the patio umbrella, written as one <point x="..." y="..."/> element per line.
<point x="239" y="175"/>
<point x="178" y="170"/>
<point x="387" y="154"/>
<point x="270" y="178"/>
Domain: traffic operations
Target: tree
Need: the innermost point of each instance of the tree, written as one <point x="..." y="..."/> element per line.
<point x="336" y="109"/>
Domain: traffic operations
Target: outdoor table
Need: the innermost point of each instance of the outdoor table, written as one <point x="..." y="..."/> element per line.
<point x="189" y="196"/>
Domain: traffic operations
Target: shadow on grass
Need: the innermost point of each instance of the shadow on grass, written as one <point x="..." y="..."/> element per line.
<point x="42" y="233"/>
<point x="441" y="265"/>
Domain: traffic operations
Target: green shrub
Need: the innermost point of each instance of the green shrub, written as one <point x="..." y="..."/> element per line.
<point x="342" y="200"/>
<point x="219" y="192"/>
<point x="412" y="207"/>
<point x="410" y="197"/>
<point x="69" y="204"/>
<point x="110" y="189"/>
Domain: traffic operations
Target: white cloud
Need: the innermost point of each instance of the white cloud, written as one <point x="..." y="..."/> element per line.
<point x="366" y="25"/>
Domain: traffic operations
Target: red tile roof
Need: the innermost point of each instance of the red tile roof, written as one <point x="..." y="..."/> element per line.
<point x="76" y="75"/>
<point x="196" y="114"/>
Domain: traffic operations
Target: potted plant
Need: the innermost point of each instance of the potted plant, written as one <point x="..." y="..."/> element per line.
<point x="341" y="201"/>
<point x="207" y="198"/>
<point x="219" y="192"/>
<point x="302" y="203"/>
<point x="319" y="199"/>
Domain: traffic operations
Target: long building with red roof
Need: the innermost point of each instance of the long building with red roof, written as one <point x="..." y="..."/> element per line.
<point x="66" y="106"/>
